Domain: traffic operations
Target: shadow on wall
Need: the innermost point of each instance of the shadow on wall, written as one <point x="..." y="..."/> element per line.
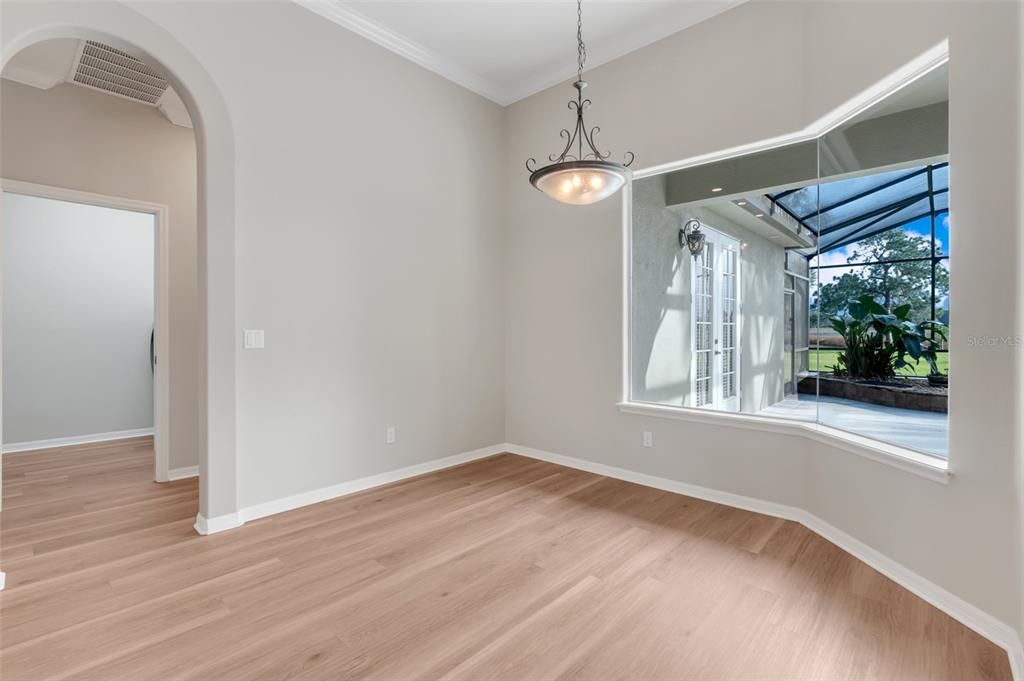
<point x="661" y="337"/>
<point x="660" y="317"/>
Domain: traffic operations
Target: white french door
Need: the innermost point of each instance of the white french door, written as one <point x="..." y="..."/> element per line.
<point x="715" y="331"/>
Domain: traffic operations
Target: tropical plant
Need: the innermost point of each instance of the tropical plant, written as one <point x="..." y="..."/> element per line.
<point x="878" y="342"/>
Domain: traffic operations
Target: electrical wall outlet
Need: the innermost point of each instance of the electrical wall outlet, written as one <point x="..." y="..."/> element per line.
<point x="252" y="339"/>
<point x="648" y="438"/>
<point x="389" y="436"/>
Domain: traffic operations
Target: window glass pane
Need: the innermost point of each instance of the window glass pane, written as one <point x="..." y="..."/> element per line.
<point x="942" y="233"/>
<point x="739" y="327"/>
<point x="874" y="224"/>
<point x="837" y="192"/>
<point x="876" y="350"/>
<point x="877" y="203"/>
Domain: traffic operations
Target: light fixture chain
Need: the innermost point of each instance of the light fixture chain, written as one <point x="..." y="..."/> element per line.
<point x="581" y="49"/>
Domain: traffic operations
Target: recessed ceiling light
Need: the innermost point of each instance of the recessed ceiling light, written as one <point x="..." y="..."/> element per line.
<point x="716" y="189"/>
<point x="759" y="215"/>
<point x="741" y="203"/>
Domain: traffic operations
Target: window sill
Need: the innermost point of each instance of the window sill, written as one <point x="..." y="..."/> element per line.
<point x="908" y="460"/>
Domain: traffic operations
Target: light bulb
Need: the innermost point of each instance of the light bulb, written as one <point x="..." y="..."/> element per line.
<point x="580" y="186"/>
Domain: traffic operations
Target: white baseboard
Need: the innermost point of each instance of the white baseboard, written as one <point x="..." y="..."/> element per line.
<point x="351" y="487"/>
<point x="991" y="628"/>
<point x="226" y="522"/>
<point x="205" y="526"/>
<point x="995" y="630"/>
<point x="1017" y="661"/>
<point x="182" y="473"/>
<point x="74" y="440"/>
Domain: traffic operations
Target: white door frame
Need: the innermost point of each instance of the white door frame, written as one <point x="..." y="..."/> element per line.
<point x="161" y="313"/>
<point x="719" y="242"/>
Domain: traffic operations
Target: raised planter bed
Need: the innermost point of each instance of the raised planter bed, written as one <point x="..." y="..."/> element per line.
<point x="909" y="393"/>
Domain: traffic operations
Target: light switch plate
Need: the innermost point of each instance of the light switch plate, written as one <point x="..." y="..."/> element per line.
<point x="253" y="339"/>
<point x="389" y="435"/>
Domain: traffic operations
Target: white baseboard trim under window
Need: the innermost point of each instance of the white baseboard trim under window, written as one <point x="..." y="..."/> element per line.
<point x="182" y="473"/>
<point x="75" y="440"/>
<point x="995" y="630"/>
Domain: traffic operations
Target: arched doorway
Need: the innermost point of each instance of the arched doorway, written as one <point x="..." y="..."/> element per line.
<point x="24" y="24"/>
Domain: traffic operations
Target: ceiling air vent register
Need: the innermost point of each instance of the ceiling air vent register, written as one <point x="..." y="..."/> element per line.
<point x="105" y="68"/>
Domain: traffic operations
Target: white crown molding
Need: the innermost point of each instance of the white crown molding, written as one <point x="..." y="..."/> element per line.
<point x="602" y="54"/>
<point x="31" y="77"/>
<point x="345" y="16"/>
<point x="995" y="630"/>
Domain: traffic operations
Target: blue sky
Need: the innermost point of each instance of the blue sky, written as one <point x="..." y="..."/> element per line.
<point x="921" y="227"/>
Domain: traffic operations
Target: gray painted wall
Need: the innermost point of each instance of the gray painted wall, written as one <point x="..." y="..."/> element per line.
<point x="662" y="333"/>
<point x="565" y="380"/>
<point x="75" y="138"/>
<point x="379" y="284"/>
<point x="77" y="316"/>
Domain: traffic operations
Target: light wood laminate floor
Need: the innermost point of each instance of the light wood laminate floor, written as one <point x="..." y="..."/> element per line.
<point x="505" y="568"/>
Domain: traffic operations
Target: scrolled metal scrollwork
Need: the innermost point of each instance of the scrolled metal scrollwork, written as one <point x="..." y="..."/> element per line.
<point x="580" y="145"/>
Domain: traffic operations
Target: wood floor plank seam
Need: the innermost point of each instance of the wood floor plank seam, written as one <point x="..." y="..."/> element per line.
<point x="503" y="568"/>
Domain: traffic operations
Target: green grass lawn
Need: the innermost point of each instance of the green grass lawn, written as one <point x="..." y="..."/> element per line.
<point x="825" y="358"/>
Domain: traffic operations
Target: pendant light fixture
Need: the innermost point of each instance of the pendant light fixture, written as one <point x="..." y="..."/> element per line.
<point x="580" y="174"/>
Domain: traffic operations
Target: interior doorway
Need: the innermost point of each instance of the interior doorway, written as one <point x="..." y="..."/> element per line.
<point x="86" y="323"/>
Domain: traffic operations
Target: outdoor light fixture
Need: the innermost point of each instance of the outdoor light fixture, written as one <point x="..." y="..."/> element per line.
<point x="580" y="175"/>
<point x="691" y="237"/>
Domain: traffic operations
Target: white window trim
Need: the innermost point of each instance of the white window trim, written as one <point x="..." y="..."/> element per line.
<point x="909" y="460"/>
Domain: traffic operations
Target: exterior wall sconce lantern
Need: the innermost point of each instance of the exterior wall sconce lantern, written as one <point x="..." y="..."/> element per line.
<point x="691" y="237"/>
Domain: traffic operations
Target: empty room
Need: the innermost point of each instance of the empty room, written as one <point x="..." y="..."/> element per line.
<point x="572" y="339"/>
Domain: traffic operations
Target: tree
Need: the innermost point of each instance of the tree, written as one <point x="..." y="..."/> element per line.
<point x="889" y="283"/>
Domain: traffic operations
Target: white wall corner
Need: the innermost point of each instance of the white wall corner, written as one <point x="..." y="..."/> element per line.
<point x="205" y="526"/>
<point x="182" y="473"/>
<point x="995" y="630"/>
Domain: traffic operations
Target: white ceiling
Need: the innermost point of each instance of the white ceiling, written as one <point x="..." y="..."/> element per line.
<point x="506" y="50"/>
<point x="49" y="63"/>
